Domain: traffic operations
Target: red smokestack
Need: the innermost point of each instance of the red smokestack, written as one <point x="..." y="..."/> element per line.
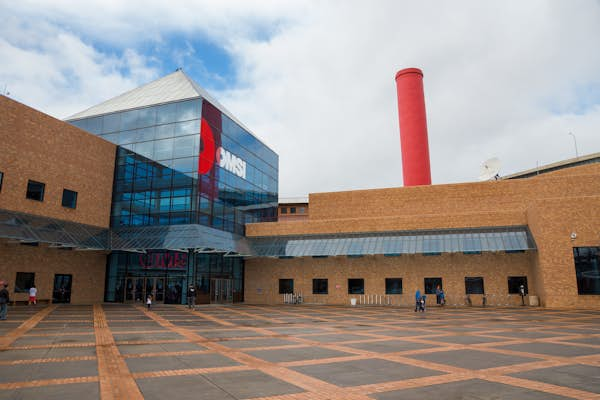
<point x="413" y="127"/>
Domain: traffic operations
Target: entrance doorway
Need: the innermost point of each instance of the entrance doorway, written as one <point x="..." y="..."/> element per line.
<point x="221" y="291"/>
<point x="138" y="288"/>
<point x="62" y="288"/>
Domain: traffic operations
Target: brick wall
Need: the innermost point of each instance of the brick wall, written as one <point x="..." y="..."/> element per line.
<point x="41" y="148"/>
<point x="262" y="276"/>
<point x="87" y="267"/>
<point x="553" y="205"/>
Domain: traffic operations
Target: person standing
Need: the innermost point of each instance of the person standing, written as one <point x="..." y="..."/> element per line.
<point x="32" y="295"/>
<point x="438" y="295"/>
<point x="191" y="297"/>
<point x="4" y="299"/>
<point x="417" y="300"/>
<point x="149" y="301"/>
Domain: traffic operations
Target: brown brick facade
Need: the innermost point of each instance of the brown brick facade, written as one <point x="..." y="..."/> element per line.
<point x="87" y="267"/>
<point x="552" y="205"/>
<point x="38" y="147"/>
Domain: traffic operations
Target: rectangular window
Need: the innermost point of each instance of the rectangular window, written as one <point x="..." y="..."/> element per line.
<point x="35" y="190"/>
<point x="292" y="210"/>
<point x="301" y="210"/>
<point x="431" y="284"/>
<point x="393" y="285"/>
<point x="320" y="286"/>
<point x="474" y="285"/>
<point x="286" y="286"/>
<point x="356" y="286"/>
<point x="69" y="198"/>
<point x="1" y="178"/>
<point x="587" y="269"/>
<point x="515" y="282"/>
<point x="284" y="210"/>
<point x="25" y="280"/>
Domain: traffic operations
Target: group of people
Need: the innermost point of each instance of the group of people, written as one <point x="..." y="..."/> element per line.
<point x="440" y="298"/>
<point x="5" y="298"/>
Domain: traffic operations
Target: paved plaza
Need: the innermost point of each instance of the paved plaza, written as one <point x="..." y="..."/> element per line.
<point x="297" y="352"/>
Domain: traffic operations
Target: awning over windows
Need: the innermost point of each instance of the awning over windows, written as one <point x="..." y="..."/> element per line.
<point x="396" y="243"/>
<point x="32" y="228"/>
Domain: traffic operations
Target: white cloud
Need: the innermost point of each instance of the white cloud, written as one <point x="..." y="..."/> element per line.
<point x="316" y="79"/>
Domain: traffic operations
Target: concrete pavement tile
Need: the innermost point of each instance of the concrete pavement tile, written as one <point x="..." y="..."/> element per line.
<point x="363" y="372"/>
<point x="574" y="376"/>
<point x="297" y="354"/>
<point x="29" y="372"/>
<point x="74" y="391"/>
<point x="470" y="389"/>
<point x="146" y="364"/>
<point x="471" y="359"/>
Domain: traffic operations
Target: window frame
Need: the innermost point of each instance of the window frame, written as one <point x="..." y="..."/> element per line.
<point x="361" y="287"/>
<point x="432" y="283"/>
<point x="27" y="279"/>
<point x="516" y="286"/>
<point x="65" y="191"/>
<point x="315" y="283"/>
<point x="1" y="179"/>
<point x="282" y="287"/>
<point x="43" y="190"/>
<point x="388" y="285"/>
<point x="469" y="282"/>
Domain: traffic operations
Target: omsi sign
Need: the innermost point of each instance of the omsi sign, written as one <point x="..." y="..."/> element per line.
<point x="231" y="162"/>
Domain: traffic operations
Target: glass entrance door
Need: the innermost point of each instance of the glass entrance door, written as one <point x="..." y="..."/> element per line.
<point x="62" y="288"/>
<point x="221" y="291"/>
<point x="137" y="289"/>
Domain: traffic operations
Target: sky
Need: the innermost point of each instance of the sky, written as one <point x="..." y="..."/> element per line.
<point x="315" y="79"/>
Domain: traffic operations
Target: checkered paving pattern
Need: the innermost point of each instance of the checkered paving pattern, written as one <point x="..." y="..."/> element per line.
<point x="297" y="353"/>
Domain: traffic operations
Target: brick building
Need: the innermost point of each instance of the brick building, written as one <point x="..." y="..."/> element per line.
<point x="161" y="188"/>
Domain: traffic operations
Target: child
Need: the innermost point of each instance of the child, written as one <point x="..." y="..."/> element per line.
<point x="149" y="301"/>
<point x="32" y="295"/>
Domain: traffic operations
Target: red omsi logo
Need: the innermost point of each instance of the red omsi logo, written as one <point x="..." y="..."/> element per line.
<point x="209" y="155"/>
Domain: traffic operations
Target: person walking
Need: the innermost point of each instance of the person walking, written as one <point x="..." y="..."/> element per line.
<point x="32" y="295"/>
<point x="4" y="299"/>
<point x="191" y="297"/>
<point x="417" y="300"/>
<point x="149" y="301"/>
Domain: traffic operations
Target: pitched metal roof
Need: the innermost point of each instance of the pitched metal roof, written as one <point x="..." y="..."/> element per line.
<point x="177" y="86"/>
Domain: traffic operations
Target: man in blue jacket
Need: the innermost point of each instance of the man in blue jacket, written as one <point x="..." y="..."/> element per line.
<point x="417" y="300"/>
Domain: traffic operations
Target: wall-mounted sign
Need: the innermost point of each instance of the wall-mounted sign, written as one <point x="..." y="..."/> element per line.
<point x="164" y="260"/>
<point x="211" y="154"/>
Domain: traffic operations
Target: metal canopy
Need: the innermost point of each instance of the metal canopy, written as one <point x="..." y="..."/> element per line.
<point x="29" y="228"/>
<point x="200" y="238"/>
<point x="396" y="243"/>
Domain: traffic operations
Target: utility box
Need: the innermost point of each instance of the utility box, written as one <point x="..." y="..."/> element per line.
<point x="534" y="301"/>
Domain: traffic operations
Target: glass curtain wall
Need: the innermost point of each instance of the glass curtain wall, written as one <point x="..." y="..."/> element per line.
<point x="184" y="162"/>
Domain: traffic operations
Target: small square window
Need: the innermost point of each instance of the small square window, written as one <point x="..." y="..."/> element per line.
<point x="515" y="282"/>
<point x="393" y="285"/>
<point x="286" y="286"/>
<point x="69" y="198"/>
<point x="356" y="286"/>
<point x="431" y="284"/>
<point x="474" y="285"/>
<point x="25" y="280"/>
<point x="35" y="190"/>
<point x="1" y="178"/>
<point x="320" y="286"/>
<point x="301" y="210"/>
<point x="292" y="210"/>
<point x="284" y="210"/>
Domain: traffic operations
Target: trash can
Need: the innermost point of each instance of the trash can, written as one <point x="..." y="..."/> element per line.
<point x="353" y="301"/>
<point x="534" y="301"/>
